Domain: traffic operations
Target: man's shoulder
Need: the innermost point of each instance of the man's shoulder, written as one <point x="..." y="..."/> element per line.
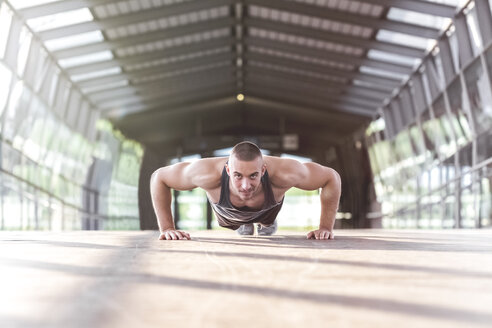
<point x="206" y="172"/>
<point x="212" y="162"/>
<point x="281" y="165"/>
<point x="282" y="171"/>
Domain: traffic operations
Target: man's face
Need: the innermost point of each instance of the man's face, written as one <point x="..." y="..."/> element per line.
<point x="245" y="177"/>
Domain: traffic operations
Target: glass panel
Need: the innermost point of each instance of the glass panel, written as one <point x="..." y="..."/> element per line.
<point x="475" y="37"/>
<point x="5" y="81"/>
<point x="25" y="43"/>
<point x="432" y="136"/>
<point x="5" y="21"/>
<point x="484" y="146"/>
<point x="16" y="110"/>
<point x="480" y="96"/>
<point x="448" y="145"/>
<point x="22" y="140"/>
<point x="405" y="149"/>
<point x="449" y="212"/>
<point x="488" y="60"/>
<point x="458" y="118"/>
<point x="486" y="196"/>
<point x="11" y="210"/>
<point x="34" y="131"/>
<point x="453" y="42"/>
<point x="468" y="210"/>
<point x="52" y="87"/>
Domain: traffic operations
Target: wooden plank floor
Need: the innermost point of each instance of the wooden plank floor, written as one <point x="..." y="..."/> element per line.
<point x="363" y="278"/>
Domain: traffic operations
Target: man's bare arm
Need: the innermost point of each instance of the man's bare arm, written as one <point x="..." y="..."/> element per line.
<point x="204" y="173"/>
<point x="312" y="176"/>
<point x="163" y="179"/>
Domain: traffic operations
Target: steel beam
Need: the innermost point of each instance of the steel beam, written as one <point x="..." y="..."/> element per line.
<point x="347" y="17"/>
<point x="154" y="55"/>
<point x="58" y="7"/>
<point x="158" y="93"/>
<point x="353" y="41"/>
<point x="169" y="70"/>
<point x="159" y="111"/>
<point x="327" y="55"/>
<point x="314" y="113"/>
<point x="169" y="81"/>
<point x="143" y="38"/>
<point x="383" y="84"/>
<point x="158" y="104"/>
<point x="420" y="6"/>
<point x="176" y="66"/>
<point x="164" y="84"/>
<point x="322" y="69"/>
<point x="287" y="98"/>
<point x="302" y="96"/>
<point x="309" y="91"/>
<point x="425" y="7"/>
<point x="136" y="17"/>
<point x="290" y="76"/>
<point x="164" y="129"/>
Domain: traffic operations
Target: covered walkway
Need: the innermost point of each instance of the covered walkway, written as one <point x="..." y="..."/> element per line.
<point x="364" y="278"/>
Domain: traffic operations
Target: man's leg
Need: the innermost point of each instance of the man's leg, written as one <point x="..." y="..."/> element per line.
<point x="246" y="229"/>
<point x="267" y="230"/>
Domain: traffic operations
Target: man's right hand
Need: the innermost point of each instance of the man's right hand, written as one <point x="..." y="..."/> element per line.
<point x="172" y="234"/>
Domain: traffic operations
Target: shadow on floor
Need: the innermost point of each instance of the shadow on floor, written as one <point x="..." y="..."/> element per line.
<point x="347" y="242"/>
<point x="361" y="264"/>
<point x="118" y="277"/>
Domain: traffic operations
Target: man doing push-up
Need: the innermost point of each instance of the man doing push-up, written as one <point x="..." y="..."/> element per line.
<point x="245" y="188"/>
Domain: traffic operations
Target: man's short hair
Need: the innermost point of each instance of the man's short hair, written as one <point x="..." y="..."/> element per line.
<point x="246" y="151"/>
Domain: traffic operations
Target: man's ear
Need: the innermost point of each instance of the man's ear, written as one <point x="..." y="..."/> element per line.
<point x="228" y="170"/>
<point x="263" y="169"/>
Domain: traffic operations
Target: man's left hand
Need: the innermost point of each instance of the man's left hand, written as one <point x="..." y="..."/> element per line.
<point x="320" y="234"/>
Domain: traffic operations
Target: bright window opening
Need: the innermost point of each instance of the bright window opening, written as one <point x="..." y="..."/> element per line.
<point x="381" y="73"/>
<point x="74" y="40"/>
<point x="405" y="39"/>
<point x="21" y="4"/>
<point x="5" y="80"/>
<point x="419" y="18"/>
<point x="5" y="20"/>
<point x="392" y="58"/>
<point x="96" y="74"/>
<point x="103" y="87"/>
<point x="59" y="20"/>
<point x="86" y="59"/>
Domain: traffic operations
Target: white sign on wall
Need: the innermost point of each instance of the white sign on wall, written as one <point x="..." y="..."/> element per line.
<point x="290" y="142"/>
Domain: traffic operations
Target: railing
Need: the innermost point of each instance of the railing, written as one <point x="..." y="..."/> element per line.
<point x="417" y="206"/>
<point x="62" y="214"/>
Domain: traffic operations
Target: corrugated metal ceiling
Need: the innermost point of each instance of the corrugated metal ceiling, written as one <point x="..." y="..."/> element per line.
<point x="136" y="60"/>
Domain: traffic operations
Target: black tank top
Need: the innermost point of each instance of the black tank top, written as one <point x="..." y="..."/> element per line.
<point x="232" y="217"/>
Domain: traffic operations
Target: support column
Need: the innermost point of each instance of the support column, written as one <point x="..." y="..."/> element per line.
<point x="176" y="208"/>
<point x="150" y="162"/>
<point x="209" y="216"/>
